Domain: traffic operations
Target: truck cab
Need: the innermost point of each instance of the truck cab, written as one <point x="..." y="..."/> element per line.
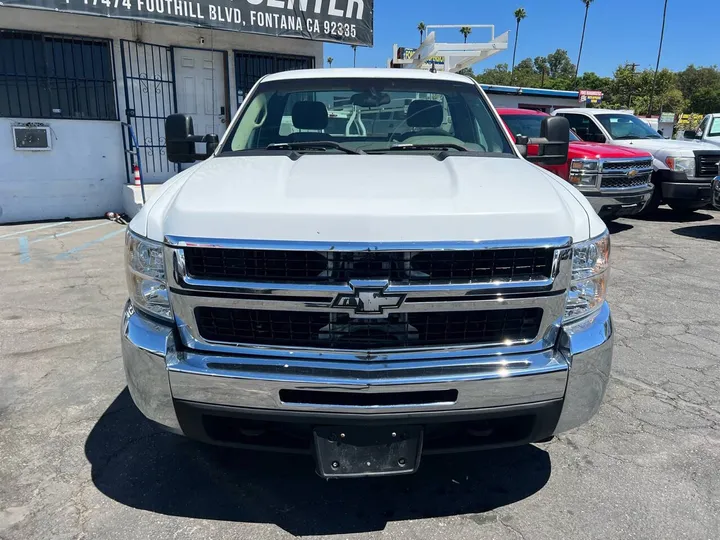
<point x="682" y="170"/>
<point x="367" y="298"/>
<point x="615" y="179"/>
<point x="708" y="131"/>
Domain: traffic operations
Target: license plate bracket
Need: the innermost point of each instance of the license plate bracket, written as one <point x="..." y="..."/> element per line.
<point x="367" y="451"/>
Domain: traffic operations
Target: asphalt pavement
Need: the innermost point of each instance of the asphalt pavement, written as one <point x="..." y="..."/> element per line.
<point x="78" y="461"/>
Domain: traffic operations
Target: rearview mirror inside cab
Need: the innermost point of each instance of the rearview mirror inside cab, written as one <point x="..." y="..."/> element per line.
<point x="180" y="140"/>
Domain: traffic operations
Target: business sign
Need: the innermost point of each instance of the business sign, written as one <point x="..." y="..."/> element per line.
<point x="667" y="117"/>
<point x="590" y="96"/>
<point x="344" y="21"/>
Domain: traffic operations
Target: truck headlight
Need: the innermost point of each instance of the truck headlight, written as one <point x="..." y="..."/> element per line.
<point x="590" y="272"/>
<point x="145" y="273"/>
<point x="682" y="164"/>
<point x="584" y="173"/>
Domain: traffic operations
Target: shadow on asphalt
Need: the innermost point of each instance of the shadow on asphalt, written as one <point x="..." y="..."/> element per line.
<point x="667" y="215"/>
<point x="703" y="232"/>
<point x="140" y="466"/>
<point x="615" y="227"/>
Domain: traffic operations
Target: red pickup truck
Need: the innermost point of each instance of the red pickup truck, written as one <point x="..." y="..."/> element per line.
<point x="615" y="179"/>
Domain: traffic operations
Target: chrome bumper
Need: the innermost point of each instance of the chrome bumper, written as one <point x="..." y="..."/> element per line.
<point x="610" y="201"/>
<point x="576" y="371"/>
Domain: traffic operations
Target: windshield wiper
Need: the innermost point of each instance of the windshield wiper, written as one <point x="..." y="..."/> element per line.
<point x="309" y="145"/>
<point x="429" y="146"/>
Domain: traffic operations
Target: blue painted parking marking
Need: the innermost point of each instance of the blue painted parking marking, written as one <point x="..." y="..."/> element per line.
<point x="70" y="252"/>
<point x="24" y="250"/>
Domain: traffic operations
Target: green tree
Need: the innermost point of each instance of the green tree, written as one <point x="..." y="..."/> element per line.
<point x="354" y="48"/>
<point x="520" y="14"/>
<point x="468" y="72"/>
<point x="498" y="75"/>
<point x="465" y="31"/>
<point x="330" y="60"/>
<point x="700" y="86"/>
<point x="582" y="37"/>
<point x="421" y="29"/>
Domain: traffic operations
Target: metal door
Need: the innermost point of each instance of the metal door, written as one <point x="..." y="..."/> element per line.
<point x="250" y="67"/>
<point x="149" y="98"/>
<point x="201" y="88"/>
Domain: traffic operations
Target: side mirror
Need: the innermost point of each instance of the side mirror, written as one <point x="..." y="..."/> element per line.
<point x="553" y="142"/>
<point x="690" y="134"/>
<point x="180" y="140"/>
<point x="598" y="138"/>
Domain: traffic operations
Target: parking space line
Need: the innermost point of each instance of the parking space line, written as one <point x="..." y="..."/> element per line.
<point x="50" y="237"/>
<point x="35" y="229"/>
<point x="67" y="254"/>
<point x="24" y="250"/>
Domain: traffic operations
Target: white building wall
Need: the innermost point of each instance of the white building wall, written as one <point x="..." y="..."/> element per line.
<point x="83" y="175"/>
<point x="514" y="100"/>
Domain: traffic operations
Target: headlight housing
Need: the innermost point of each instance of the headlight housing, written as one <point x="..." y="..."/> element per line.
<point x="145" y="273"/>
<point x="682" y="164"/>
<point x="584" y="173"/>
<point x="590" y="272"/>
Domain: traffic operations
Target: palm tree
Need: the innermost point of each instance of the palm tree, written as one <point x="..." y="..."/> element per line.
<point x="466" y="31"/>
<point x="354" y="48"/>
<point x="582" y="38"/>
<point x="657" y="65"/>
<point x="421" y="29"/>
<point x="520" y="14"/>
<point x="330" y="60"/>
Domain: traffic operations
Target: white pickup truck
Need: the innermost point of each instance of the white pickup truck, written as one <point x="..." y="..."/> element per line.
<point x="683" y="170"/>
<point x="708" y="131"/>
<point x="420" y="288"/>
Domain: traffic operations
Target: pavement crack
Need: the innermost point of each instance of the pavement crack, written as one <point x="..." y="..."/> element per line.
<point x="511" y="528"/>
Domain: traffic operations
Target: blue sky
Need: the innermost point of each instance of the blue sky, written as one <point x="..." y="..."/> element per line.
<point x="618" y="31"/>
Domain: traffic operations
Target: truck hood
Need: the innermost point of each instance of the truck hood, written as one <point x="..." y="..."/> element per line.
<point x="598" y="150"/>
<point x="372" y="198"/>
<point x="667" y="146"/>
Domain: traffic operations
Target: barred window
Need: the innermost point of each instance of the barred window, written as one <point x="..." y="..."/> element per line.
<point x="50" y="76"/>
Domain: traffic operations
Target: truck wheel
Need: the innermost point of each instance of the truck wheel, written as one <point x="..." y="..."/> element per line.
<point x="652" y="205"/>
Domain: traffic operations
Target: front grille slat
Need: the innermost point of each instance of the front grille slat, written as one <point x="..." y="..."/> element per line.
<point x="624" y="181"/>
<point x="627" y="165"/>
<point x="706" y="165"/>
<point x="341" y="267"/>
<point x="340" y="331"/>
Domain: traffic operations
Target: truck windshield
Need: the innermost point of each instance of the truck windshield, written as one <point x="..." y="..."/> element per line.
<point x="366" y="115"/>
<point x="528" y="125"/>
<point x="627" y="126"/>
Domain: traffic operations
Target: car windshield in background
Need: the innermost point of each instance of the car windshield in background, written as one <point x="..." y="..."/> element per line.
<point x="627" y="126"/>
<point x="528" y="125"/>
<point x="715" y="128"/>
<point x="354" y="115"/>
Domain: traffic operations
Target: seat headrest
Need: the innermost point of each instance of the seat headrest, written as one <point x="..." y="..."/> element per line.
<point x="309" y="115"/>
<point x="424" y="113"/>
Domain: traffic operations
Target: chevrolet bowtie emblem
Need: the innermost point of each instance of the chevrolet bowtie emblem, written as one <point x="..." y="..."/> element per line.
<point x="368" y="302"/>
<point x="632" y="173"/>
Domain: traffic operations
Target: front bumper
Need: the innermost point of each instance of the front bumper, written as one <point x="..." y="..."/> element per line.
<point x="620" y="202"/>
<point x="166" y="381"/>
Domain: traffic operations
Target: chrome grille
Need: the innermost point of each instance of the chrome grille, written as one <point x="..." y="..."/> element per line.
<point x="626" y="164"/>
<point x="340" y="331"/>
<point x="624" y="181"/>
<point x="340" y="267"/>
<point x="626" y="173"/>
<point x="310" y="300"/>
